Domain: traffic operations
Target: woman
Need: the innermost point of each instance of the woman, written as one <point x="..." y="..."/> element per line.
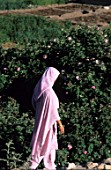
<point x="45" y="102"/>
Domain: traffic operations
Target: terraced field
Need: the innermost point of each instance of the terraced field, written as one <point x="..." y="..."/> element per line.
<point x="76" y="13"/>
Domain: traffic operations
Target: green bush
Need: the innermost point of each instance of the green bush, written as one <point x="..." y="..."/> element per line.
<point x="86" y="133"/>
<point x="16" y="129"/>
<point x="83" y="56"/>
<point x="14" y="4"/>
<point x="27" y="29"/>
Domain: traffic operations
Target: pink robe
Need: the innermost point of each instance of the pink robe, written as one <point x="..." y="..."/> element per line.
<point x="46" y="104"/>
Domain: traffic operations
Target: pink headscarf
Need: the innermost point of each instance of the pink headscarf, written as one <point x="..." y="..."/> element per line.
<point x="45" y="102"/>
<point x="47" y="81"/>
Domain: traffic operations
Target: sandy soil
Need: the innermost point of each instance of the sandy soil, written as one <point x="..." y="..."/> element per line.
<point x="76" y="13"/>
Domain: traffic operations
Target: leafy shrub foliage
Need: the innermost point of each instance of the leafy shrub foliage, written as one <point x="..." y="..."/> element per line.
<point x="14" y="4"/>
<point x="83" y="56"/>
<point x="16" y="129"/>
<point x="27" y="29"/>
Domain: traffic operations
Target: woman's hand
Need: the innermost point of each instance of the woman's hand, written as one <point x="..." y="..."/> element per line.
<point x="61" y="127"/>
<point x="62" y="130"/>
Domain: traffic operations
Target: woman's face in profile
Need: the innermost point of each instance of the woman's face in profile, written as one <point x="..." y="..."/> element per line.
<point x="58" y="84"/>
<point x="58" y="87"/>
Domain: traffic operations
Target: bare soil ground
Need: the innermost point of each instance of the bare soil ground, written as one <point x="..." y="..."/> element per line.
<point x="76" y="13"/>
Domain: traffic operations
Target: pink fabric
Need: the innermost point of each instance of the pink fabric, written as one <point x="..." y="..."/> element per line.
<point x="49" y="160"/>
<point x="46" y="104"/>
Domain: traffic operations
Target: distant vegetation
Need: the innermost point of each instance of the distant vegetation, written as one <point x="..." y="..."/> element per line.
<point x="15" y="4"/>
<point x="28" y="29"/>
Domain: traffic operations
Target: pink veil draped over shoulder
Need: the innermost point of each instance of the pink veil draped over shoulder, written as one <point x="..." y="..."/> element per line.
<point x="46" y="104"/>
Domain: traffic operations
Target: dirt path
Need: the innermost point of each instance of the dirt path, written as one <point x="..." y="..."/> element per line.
<point x="76" y="13"/>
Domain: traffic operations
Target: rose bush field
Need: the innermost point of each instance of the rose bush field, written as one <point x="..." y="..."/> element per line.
<point x="83" y="56"/>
